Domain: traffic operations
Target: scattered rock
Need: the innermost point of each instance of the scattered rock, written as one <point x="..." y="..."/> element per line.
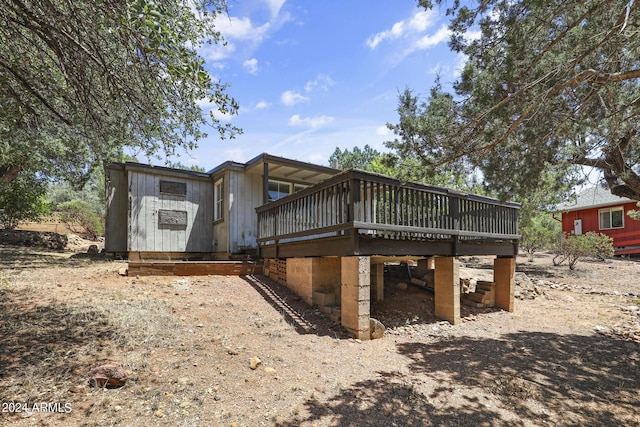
<point x="270" y="370"/>
<point x="47" y="239"/>
<point x="123" y="271"/>
<point x="254" y="362"/>
<point x="108" y="375"/>
<point x="92" y="250"/>
<point x="230" y="351"/>
<point x="402" y="286"/>
<point x="377" y="328"/>
<point x="78" y="389"/>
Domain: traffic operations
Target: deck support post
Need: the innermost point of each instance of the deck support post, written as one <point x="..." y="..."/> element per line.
<point x="356" y="295"/>
<point x="504" y="273"/>
<point x="377" y="282"/>
<point x="447" y="289"/>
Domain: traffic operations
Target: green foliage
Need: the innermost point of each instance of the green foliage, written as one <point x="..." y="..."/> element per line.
<point x="92" y="192"/>
<point x="403" y="167"/>
<point x="80" y="213"/>
<point x="357" y="159"/>
<point x="108" y="75"/>
<point x="548" y="87"/>
<point x="574" y="247"/>
<point x="540" y="232"/>
<point x="23" y="199"/>
<point x="634" y="214"/>
<point x="180" y="165"/>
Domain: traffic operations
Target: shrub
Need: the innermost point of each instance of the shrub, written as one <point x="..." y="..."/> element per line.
<point x="78" y="212"/>
<point x="541" y="232"/>
<point x="23" y="199"/>
<point x="574" y="247"/>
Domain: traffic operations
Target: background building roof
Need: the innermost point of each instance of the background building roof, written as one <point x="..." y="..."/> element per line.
<point x="592" y="198"/>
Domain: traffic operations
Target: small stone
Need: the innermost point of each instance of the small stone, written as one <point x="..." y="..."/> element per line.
<point x="254" y="362"/>
<point x="123" y="271"/>
<point x="270" y="370"/>
<point x="230" y="350"/>
<point x="402" y="286"/>
<point x="158" y="414"/>
<point x="377" y="328"/>
<point x="77" y="389"/>
<point x="92" y="250"/>
<point x="117" y="408"/>
<point x="108" y="375"/>
<point x="184" y="404"/>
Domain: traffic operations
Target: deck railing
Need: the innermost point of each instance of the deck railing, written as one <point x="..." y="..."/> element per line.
<point x="382" y="207"/>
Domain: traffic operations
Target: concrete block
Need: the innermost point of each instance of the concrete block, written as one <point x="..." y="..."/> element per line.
<point x="504" y="273"/>
<point x="447" y="289"/>
<point x="324" y="298"/>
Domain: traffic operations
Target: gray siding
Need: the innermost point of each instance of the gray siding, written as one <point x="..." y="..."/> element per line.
<point x="245" y="194"/>
<point x="115" y="237"/>
<point x="238" y="229"/>
<point x="148" y="232"/>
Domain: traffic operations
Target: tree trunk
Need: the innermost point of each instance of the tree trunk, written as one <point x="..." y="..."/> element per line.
<point x="8" y="174"/>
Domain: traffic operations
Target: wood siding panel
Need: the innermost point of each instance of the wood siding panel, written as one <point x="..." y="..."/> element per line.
<point x="117" y="206"/>
<point x="146" y="232"/>
<point x="627" y="236"/>
<point x="221" y="228"/>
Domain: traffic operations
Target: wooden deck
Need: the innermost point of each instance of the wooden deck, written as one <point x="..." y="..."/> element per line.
<point x="365" y="214"/>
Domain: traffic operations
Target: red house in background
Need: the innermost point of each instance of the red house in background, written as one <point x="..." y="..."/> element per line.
<point x="596" y="209"/>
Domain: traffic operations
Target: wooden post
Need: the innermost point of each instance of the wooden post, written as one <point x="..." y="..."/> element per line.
<point x="265" y="183"/>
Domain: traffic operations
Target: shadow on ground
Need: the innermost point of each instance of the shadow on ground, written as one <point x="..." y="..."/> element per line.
<point x="19" y="257"/>
<point x="41" y="344"/>
<point x="304" y="318"/>
<point x="535" y="378"/>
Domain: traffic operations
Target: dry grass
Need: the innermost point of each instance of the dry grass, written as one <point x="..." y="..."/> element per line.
<point x="48" y="347"/>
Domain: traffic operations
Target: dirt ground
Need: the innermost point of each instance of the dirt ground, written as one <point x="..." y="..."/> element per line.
<point x="568" y="356"/>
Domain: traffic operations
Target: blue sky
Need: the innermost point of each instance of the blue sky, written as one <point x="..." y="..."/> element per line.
<point x="314" y="75"/>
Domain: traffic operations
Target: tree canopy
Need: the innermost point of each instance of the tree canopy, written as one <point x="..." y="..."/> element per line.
<point x="82" y="79"/>
<point x="547" y="87"/>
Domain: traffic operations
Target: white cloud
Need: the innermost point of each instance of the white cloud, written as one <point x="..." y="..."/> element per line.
<point x="275" y="6"/>
<point x="383" y="131"/>
<point x="431" y="40"/>
<point x="461" y="60"/>
<point x="262" y="105"/>
<point x="416" y="24"/>
<point x="232" y="27"/>
<point x="216" y="52"/>
<point x="251" y="65"/>
<point x="312" y="122"/>
<point x="290" y="98"/>
<point x="322" y="82"/>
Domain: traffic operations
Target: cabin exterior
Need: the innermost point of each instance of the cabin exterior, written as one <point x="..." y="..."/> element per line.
<point x="325" y="233"/>
<point x="597" y="210"/>
<point x="163" y="213"/>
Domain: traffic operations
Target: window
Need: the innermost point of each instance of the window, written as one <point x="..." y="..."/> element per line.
<point x="218" y="193"/>
<point x="611" y="218"/>
<point x="278" y="189"/>
<point x="298" y="187"/>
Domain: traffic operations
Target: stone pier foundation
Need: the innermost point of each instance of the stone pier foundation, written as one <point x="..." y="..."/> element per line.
<point x="447" y="289"/>
<point x="356" y="295"/>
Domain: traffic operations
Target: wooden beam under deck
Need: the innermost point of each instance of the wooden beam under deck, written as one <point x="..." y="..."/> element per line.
<point x="347" y="245"/>
<point x="194" y="268"/>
